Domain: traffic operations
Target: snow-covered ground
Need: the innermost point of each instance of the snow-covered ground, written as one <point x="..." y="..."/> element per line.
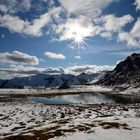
<point x="131" y="90"/>
<point x="74" y="89"/>
<point x="81" y="122"/>
<point x="28" y="120"/>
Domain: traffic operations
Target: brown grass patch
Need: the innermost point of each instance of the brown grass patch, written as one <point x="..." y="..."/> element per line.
<point x="109" y="125"/>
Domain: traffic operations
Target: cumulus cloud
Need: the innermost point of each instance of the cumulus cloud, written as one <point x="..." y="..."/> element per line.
<point x="115" y="24"/>
<point x="89" y="8"/>
<point x="132" y="38"/>
<point x="104" y="26"/>
<point x="14" y="6"/>
<point x="25" y="4"/>
<point x="24" y="71"/>
<point x="83" y="20"/>
<point x="137" y="3"/>
<point x="3" y="8"/>
<point x="20" y="69"/>
<point x="13" y="23"/>
<point x="72" y="27"/>
<point x="81" y="25"/>
<point x="87" y="69"/>
<point x="33" y="28"/>
<point x="54" y="55"/>
<point x="17" y="57"/>
<point x="109" y="24"/>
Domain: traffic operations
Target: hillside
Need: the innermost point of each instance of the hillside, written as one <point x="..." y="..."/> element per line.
<point x="126" y="74"/>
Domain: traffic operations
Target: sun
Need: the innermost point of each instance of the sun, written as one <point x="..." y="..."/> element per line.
<point x="78" y="33"/>
<point x="78" y="39"/>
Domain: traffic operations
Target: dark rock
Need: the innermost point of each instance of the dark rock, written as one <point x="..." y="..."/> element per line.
<point x="64" y="86"/>
<point x="125" y="73"/>
<point x="62" y="115"/>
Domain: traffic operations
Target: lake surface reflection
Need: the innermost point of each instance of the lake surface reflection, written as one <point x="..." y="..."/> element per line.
<point x="86" y="98"/>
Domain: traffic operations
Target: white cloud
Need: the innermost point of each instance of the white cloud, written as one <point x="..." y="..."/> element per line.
<point x="3" y="8"/>
<point x="54" y="55"/>
<point x="25" y="4"/>
<point x="3" y="36"/>
<point x="105" y="26"/>
<point x="119" y="61"/>
<point x="72" y="47"/>
<point x="136" y="29"/>
<point x="109" y="24"/>
<point x="90" y="8"/>
<point x="115" y="24"/>
<point x="137" y="3"/>
<point x="87" y="69"/>
<point x="81" y="26"/>
<point x="42" y="60"/>
<point x="13" y="23"/>
<point x="132" y="38"/>
<point x="23" y="71"/>
<point x="15" y="6"/>
<point x="78" y="57"/>
<point x="34" y="70"/>
<point x="17" y="57"/>
<point x="126" y="37"/>
<point x="33" y="28"/>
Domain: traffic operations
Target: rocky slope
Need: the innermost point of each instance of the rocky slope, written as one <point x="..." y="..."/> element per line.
<point x="126" y="74"/>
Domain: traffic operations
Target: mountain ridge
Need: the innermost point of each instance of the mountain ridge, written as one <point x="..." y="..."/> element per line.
<point x="125" y="74"/>
<point x="47" y="81"/>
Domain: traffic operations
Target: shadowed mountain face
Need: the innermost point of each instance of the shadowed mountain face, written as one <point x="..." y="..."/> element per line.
<point x="44" y="80"/>
<point x="126" y="72"/>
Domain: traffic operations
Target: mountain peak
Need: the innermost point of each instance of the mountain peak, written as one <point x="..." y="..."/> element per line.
<point x="127" y="72"/>
<point x="129" y="64"/>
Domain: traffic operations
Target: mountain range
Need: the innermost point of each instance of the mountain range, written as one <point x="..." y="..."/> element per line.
<point x="126" y="74"/>
<point x="48" y="81"/>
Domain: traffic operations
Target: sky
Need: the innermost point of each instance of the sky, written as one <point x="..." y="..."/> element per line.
<point x="66" y="36"/>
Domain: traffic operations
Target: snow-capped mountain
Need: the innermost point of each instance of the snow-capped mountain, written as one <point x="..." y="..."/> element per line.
<point x="45" y="81"/>
<point x="126" y="73"/>
<point x="85" y="78"/>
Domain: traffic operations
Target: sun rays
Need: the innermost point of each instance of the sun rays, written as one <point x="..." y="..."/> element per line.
<point x="78" y="36"/>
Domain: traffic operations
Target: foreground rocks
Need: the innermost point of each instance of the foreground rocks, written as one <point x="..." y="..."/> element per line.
<point x="39" y="121"/>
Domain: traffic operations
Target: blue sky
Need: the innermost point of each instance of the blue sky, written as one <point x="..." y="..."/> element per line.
<point x="61" y="36"/>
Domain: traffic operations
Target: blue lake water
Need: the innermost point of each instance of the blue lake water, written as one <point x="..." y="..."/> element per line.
<point x="86" y="98"/>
